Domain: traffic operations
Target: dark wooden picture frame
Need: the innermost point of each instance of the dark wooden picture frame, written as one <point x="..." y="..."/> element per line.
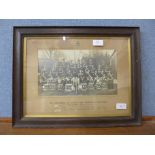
<point x="18" y="41"/>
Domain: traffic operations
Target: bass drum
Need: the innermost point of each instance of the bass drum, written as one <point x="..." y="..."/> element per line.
<point x="69" y="88"/>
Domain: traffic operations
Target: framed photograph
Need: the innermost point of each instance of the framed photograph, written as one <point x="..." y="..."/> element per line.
<point x="76" y="77"/>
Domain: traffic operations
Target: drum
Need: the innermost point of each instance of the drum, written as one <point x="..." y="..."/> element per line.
<point x="69" y="87"/>
<point x="83" y="86"/>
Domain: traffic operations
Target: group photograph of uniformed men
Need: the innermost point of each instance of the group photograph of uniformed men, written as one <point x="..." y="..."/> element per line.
<point x="77" y="72"/>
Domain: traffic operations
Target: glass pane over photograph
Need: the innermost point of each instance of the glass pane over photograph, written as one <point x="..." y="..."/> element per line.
<point x="77" y="76"/>
<point x="77" y="72"/>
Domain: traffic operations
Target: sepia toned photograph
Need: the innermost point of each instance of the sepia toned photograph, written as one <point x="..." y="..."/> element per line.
<point x="77" y="72"/>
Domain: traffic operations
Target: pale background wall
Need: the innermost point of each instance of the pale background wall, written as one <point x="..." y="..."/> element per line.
<point x="147" y="28"/>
